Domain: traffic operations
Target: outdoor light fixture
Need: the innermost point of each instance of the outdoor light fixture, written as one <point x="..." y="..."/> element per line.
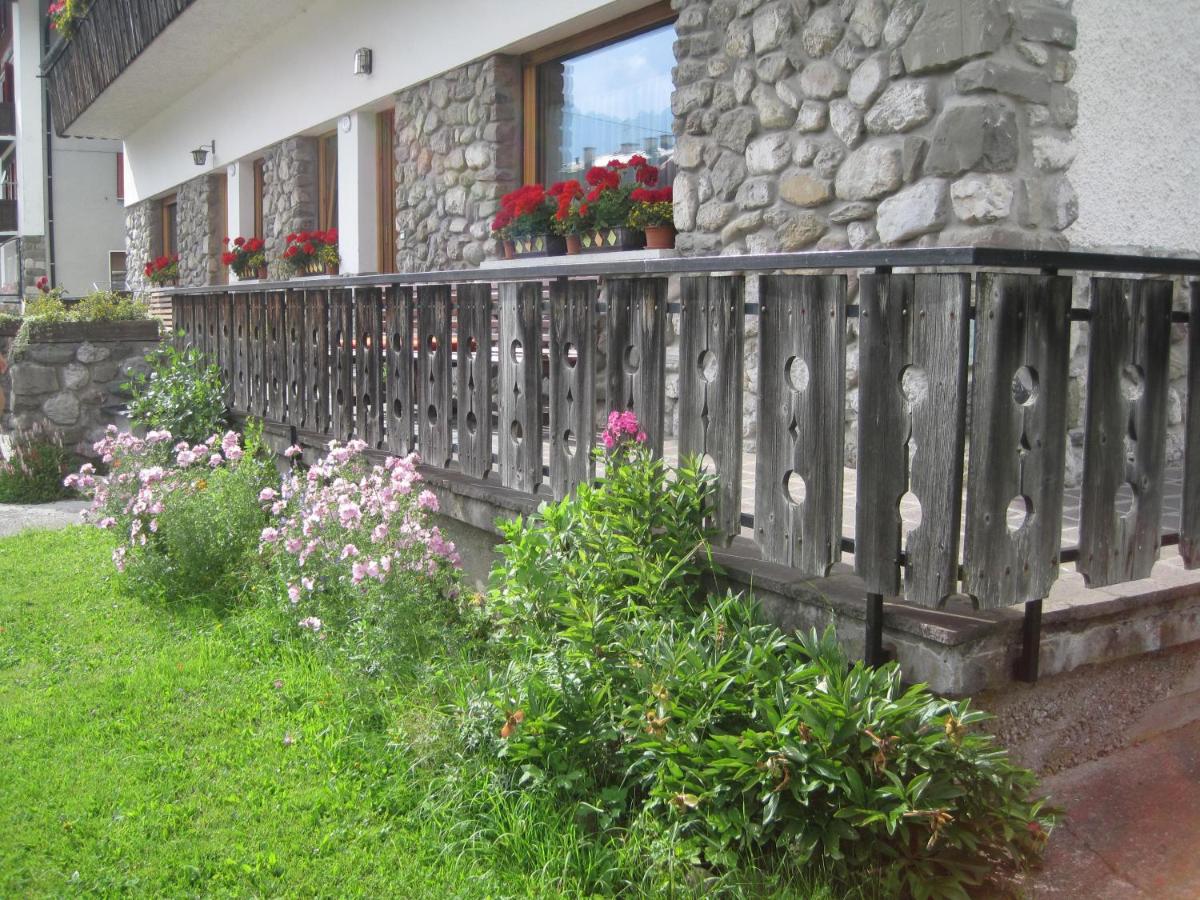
<point x="200" y="154"/>
<point x="362" y="61"/>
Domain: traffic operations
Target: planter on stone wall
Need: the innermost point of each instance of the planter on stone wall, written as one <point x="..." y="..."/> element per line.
<point x="539" y="245"/>
<point x="600" y="240"/>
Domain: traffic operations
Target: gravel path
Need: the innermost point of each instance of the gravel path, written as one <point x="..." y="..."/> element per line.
<point x="16" y="517"/>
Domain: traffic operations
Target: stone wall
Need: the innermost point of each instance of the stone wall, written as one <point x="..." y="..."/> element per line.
<point x="289" y="196"/>
<point x="457" y="152"/>
<point x="69" y="378"/>
<point x="200" y="230"/>
<point x="143" y="237"/>
<point x="834" y="124"/>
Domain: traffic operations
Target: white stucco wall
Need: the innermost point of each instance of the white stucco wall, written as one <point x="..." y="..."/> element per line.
<point x="31" y="123"/>
<point x="1137" y="169"/>
<point x="89" y="220"/>
<point x="298" y="76"/>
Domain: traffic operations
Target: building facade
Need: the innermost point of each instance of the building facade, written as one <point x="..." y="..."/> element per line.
<point x="61" y="198"/>
<point x="782" y="124"/>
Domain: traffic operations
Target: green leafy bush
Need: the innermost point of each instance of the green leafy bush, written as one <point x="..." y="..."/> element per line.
<point x="36" y="466"/>
<point x="664" y="711"/>
<point x="48" y="309"/>
<point x="182" y="394"/>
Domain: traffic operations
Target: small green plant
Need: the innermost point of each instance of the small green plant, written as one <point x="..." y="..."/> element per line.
<point x="620" y="686"/>
<point x="182" y="394"/>
<point x="48" y="309"/>
<point x="109" y="306"/>
<point x="35" y="468"/>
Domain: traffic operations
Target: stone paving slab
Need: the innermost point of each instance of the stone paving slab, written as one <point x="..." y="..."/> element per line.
<point x="1133" y="825"/>
<point x="18" y="517"/>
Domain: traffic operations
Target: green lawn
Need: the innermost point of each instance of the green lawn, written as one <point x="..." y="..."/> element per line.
<point x="177" y="751"/>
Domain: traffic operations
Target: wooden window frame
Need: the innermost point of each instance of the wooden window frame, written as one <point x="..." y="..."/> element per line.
<point x="166" y="235"/>
<point x="326" y="218"/>
<point x="260" y="196"/>
<point x="385" y="155"/>
<point x="120" y="177"/>
<point x="646" y="19"/>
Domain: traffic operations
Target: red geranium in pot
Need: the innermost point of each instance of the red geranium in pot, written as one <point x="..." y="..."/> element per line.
<point x="654" y="213"/>
<point x="312" y="252"/>
<point x="163" y="271"/>
<point x="247" y="257"/>
<point x="530" y="210"/>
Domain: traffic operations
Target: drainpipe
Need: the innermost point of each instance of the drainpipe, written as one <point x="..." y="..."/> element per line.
<point x="47" y="149"/>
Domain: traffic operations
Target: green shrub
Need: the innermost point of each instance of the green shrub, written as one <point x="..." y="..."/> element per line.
<point x="108" y="306"/>
<point x="187" y="517"/>
<point x="657" y="709"/>
<point x="35" y="469"/>
<point x="48" y="308"/>
<point x="181" y="394"/>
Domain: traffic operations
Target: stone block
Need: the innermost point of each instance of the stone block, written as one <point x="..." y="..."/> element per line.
<point x="803" y="189"/>
<point x="868" y="81"/>
<point x="806" y="151"/>
<point x="822" y="31"/>
<point x="861" y="234"/>
<point x="772" y="112"/>
<point x="978" y="135"/>
<point x="1064" y="106"/>
<point x="900" y="21"/>
<point x="823" y="80"/>
<point x="51" y="353"/>
<point x="814" y="116"/>
<point x="980" y="199"/>
<point x="846" y="121"/>
<point x="867" y="21"/>
<point x="29" y="379"/>
<point x="1060" y="204"/>
<point x="75" y="376"/>
<point x="1037" y="20"/>
<point x="727" y="175"/>
<point x="734" y="128"/>
<point x="914" y="211"/>
<point x="756" y="193"/>
<point x="799" y="231"/>
<point x="62" y="409"/>
<point x="1052" y="153"/>
<point x="689" y="97"/>
<point x="713" y="215"/>
<point x="870" y="172"/>
<point x="771" y="67"/>
<point x="770" y="26"/>
<point x="741" y="225"/>
<point x="743" y="83"/>
<point x="913" y="151"/>
<point x="768" y="154"/>
<point x="902" y="107"/>
<point x="852" y="212"/>
<point x="1004" y="78"/>
<point x="950" y="31"/>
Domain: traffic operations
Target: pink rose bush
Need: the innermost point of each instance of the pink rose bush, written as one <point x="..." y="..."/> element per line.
<point x="185" y="515"/>
<point x="354" y="555"/>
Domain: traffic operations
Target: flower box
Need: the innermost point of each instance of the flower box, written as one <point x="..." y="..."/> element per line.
<point x="601" y="240"/>
<point x="539" y="245"/>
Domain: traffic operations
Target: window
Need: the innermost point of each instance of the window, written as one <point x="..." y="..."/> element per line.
<point x="385" y="160"/>
<point x="116" y="271"/>
<point x="260" y="196"/>
<point x="327" y="181"/>
<point x="169" y="242"/>
<point x="603" y="95"/>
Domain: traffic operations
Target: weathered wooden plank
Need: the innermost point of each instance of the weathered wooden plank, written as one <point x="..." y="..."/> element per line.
<point x="475" y="379"/>
<point x="911" y="426"/>
<point x="572" y="383"/>
<point x="294" y="328"/>
<point x="433" y="374"/>
<point x="1189" y="533"/>
<point x="801" y="413"/>
<point x="341" y="341"/>
<point x="315" y="363"/>
<point x="1125" y="428"/>
<point x="1018" y="437"/>
<point x="637" y="317"/>
<point x="258" y="351"/>
<point x="241" y="355"/>
<point x="712" y="328"/>
<point x="277" y="358"/>
<point x="398" y="316"/>
<point x="368" y="339"/>
<point x="519" y="402"/>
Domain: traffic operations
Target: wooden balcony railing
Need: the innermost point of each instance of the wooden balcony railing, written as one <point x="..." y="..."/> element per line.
<point x="494" y="375"/>
<point x="107" y="38"/>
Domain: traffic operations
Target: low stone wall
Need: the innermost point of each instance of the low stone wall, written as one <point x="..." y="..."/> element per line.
<point x="69" y="378"/>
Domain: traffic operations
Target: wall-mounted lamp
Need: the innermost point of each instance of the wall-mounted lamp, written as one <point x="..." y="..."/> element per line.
<point x="362" y="61"/>
<point x="200" y="154"/>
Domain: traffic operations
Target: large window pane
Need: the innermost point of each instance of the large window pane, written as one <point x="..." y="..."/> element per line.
<point x="614" y="101"/>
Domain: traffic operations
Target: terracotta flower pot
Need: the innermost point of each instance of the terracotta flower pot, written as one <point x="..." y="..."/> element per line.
<point x="660" y="237"/>
<point x="261" y="274"/>
<point x="331" y="269"/>
<point x="574" y="244"/>
<point x="510" y="249"/>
